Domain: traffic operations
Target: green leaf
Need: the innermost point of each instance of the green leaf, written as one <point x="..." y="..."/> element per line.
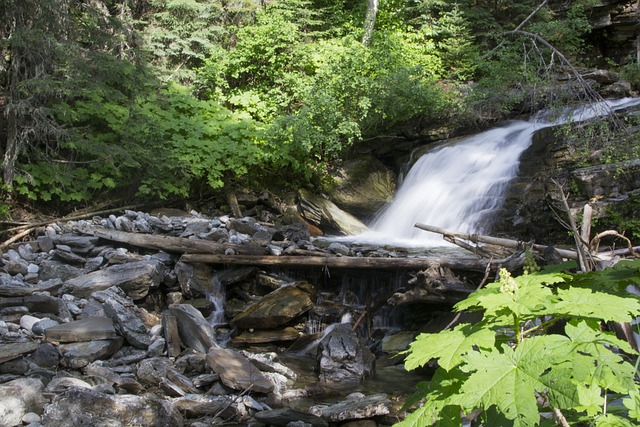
<point x="633" y="404"/>
<point x="448" y="347"/>
<point x="580" y="302"/>
<point x="510" y="379"/>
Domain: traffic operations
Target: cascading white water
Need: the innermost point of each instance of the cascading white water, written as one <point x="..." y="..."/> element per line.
<point x="458" y="185"/>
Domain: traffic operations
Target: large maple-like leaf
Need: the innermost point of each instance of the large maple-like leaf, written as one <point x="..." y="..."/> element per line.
<point x="530" y="298"/>
<point x="448" y="347"/>
<point x="581" y="302"/>
<point x="511" y="378"/>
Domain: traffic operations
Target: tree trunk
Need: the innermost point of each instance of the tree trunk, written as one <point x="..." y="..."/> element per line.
<point x="12" y="144"/>
<point x="370" y="21"/>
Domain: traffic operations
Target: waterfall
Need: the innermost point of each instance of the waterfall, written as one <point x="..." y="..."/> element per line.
<point x="459" y="185"/>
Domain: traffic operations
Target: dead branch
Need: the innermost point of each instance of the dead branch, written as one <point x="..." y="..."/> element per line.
<point x="580" y="245"/>
<point x="595" y="242"/>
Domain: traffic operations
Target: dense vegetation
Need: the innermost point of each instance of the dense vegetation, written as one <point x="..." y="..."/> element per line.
<point x="164" y="98"/>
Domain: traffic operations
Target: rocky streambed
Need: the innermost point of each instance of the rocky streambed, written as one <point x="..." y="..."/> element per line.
<point x="100" y="332"/>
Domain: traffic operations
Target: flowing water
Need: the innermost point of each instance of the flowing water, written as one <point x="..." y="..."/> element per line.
<point x="457" y="186"/>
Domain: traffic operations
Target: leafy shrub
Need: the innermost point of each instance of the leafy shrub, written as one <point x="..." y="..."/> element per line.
<point x="511" y="367"/>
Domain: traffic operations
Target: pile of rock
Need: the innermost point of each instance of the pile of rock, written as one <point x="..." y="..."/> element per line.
<point x="101" y="334"/>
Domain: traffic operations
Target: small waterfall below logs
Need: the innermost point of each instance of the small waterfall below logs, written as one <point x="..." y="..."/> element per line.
<point x="458" y="185"/>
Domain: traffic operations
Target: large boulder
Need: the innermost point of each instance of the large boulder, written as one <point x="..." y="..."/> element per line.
<point x="324" y="214"/>
<point x="86" y="407"/>
<point x="135" y="279"/>
<point x="364" y="186"/>
<point x="276" y="308"/>
<point x="343" y="360"/>
<point x="236" y="371"/>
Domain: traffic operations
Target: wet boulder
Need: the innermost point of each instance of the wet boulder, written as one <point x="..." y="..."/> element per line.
<point x="79" y="406"/>
<point x="194" y="330"/>
<point x="135" y="279"/>
<point x="276" y="308"/>
<point x="237" y="372"/>
<point x="356" y="406"/>
<point x="342" y="359"/>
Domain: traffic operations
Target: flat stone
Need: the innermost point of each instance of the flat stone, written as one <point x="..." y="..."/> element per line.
<point x="236" y="371"/>
<point x="16" y="349"/>
<point x="266" y="336"/>
<point x="83" y="407"/>
<point x="80" y="354"/>
<point x="276" y="308"/>
<point x="284" y="416"/>
<point x="194" y="330"/>
<point x="135" y="279"/>
<point x="88" y="329"/>
<point x="359" y="407"/>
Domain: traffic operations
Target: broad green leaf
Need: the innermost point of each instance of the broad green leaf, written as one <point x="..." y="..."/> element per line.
<point x="633" y="404"/>
<point x="591" y="400"/>
<point x="580" y="302"/>
<point x="611" y="420"/>
<point x="527" y="300"/>
<point x="448" y="347"/>
<point x="594" y="362"/>
<point x="510" y="379"/>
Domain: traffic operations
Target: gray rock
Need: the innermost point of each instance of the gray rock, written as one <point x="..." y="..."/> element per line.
<point x="194" y="330"/>
<point x="19" y="397"/>
<point x="50" y="270"/>
<point x="343" y="360"/>
<point x="151" y="371"/>
<point x="84" y="407"/>
<point x="326" y="215"/>
<point x="236" y="371"/>
<point x="98" y="328"/>
<point x="356" y="407"/>
<point x="46" y="356"/>
<point x="135" y="279"/>
<point x="285" y="416"/>
<point x="339" y="249"/>
<point x="194" y="278"/>
<point x="41" y="326"/>
<point x="79" y="244"/>
<point x="79" y="354"/>
<point x="10" y="351"/>
<point x="123" y="312"/>
<point x="276" y="308"/>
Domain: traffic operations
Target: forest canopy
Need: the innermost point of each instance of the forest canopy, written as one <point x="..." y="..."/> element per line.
<point x="164" y="98"/>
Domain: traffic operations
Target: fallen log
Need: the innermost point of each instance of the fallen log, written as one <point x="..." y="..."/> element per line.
<point x="507" y="243"/>
<point x="455" y="263"/>
<point x="171" y="243"/>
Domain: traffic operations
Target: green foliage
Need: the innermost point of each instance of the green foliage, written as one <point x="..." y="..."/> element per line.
<point x="510" y="366"/>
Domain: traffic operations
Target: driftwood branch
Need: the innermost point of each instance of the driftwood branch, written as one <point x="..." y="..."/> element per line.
<point x="507" y="243"/>
<point x="595" y="242"/>
<point x="583" y="261"/>
<point x="454" y="263"/>
<point x="170" y="243"/>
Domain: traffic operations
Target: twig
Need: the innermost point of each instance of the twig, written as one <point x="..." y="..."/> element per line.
<point x="487" y="271"/>
<point x="15" y="238"/>
<point x="595" y="242"/>
<point x="558" y="413"/>
<point x="580" y="247"/>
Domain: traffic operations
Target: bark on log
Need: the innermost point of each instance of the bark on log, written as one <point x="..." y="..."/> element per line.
<point x="459" y="263"/>
<point x="507" y="243"/>
<point x="171" y="243"/>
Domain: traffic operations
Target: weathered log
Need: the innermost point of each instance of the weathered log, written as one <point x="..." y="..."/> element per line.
<point x="507" y="243"/>
<point x="456" y="263"/>
<point x="171" y="243"/>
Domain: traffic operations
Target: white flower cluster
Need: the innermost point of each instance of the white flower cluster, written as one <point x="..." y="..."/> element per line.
<point x="507" y="283"/>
